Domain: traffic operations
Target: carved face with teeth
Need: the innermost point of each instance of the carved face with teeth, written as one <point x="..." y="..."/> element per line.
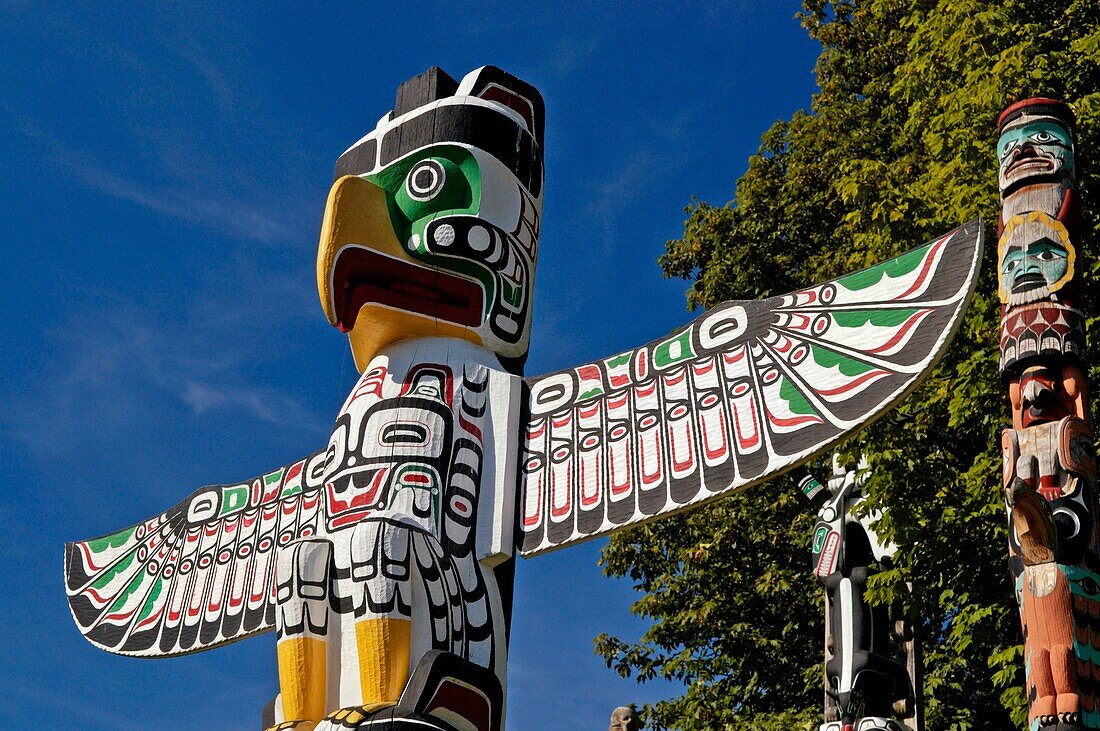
<point x="431" y="228"/>
<point x="1036" y="143"/>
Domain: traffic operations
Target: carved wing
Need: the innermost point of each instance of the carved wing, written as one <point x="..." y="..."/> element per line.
<point x="200" y="574"/>
<point x="747" y="390"/>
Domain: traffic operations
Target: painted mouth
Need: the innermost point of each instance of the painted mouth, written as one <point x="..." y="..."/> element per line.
<point x="1028" y="282"/>
<point x="363" y="276"/>
<point x="1031" y="163"/>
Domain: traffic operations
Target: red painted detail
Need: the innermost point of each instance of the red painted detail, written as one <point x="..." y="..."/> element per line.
<point x="674" y="378"/>
<point x="151" y="619"/>
<point x="901" y="333"/>
<point x="649" y="445"/>
<point x="448" y="380"/>
<point x="929" y="262"/>
<point x="746" y="441"/>
<point x="461" y="700"/>
<point x="589" y="373"/>
<point x="561" y="486"/>
<point x="470" y="427"/>
<point x="349" y="518"/>
<point x="713" y="454"/>
<point x="735" y="356"/>
<point x="532" y="519"/>
<point x="851" y="385"/>
<point x="794" y="420"/>
<point x="416" y="478"/>
<point x="563" y="421"/>
<point x="590" y="488"/>
<point x="618" y="401"/>
<point x="703" y="368"/>
<point x="363" y="499"/>
<point x="588" y="411"/>
<point x="681" y="462"/>
<point x="827" y="562"/>
<point x="361" y="276"/>
<point x="370" y="384"/>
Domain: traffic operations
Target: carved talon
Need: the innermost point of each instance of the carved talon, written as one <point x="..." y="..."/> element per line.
<point x="1032" y="520"/>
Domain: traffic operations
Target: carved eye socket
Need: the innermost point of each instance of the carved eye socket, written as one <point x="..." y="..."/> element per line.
<point x="425" y="180"/>
<point x="1089" y="585"/>
<point x="1043" y="136"/>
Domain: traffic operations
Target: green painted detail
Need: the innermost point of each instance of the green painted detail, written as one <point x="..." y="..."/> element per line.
<point x="878" y="318"/>
<point x="455" y="194"/>
<point x="460" y="195"/>
<point x="511" y="295"/>
<point x="618" y="360"/>
<point x="130" y="589"/>
<point x="819" y="537"/>
<point x="676" y="349"/>
<point x="796" y="402"/>
<point x="234" y="499"/>
<point x="98" y="545"/>
<point x="432" y="486"/>
<point x="147" y="608"/>
<point x="829" y="358"/>
<point x="894" y="268"/>
<point x="273" y="478"/>
<point x="117" y="569"/>
<point x="812" y="485"/>
<point x="288" y="491"/>
<point x="591" y="393"/>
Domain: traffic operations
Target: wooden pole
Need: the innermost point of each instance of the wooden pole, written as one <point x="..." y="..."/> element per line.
<point x="1049" y="461"/>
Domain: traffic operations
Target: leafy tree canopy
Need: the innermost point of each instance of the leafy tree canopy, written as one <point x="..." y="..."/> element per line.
<point x="898" y="147"/>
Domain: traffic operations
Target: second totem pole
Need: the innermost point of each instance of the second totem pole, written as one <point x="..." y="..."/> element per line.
<point x="1049" y="462"/>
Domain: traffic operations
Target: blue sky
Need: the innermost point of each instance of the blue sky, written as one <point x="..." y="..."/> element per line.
<point x="165" y="170"/>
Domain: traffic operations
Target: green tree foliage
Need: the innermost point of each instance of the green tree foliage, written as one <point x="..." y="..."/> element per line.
<point x="898" y="148"/>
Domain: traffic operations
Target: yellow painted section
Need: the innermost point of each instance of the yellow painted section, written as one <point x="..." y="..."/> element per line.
<point x="302" y="669"/>
<point x="378" y="326"/>
<point x="383" y="645"/>
<point x="356" y="213"/>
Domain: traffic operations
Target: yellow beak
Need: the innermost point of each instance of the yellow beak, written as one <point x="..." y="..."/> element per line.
<point x="357" y="215"/>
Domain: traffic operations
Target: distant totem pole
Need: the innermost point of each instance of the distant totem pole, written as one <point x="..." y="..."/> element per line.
<point x="872" y="665"/>
<point x="1049" y="462"/>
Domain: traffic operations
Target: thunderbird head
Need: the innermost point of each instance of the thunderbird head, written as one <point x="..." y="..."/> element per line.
<point x="431" y="227"/>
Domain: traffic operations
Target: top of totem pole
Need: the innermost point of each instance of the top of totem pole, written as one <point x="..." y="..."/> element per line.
<point x="432" y="224"/>
<point x="1039" y="106"/>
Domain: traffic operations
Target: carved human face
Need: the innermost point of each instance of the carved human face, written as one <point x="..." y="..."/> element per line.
<point x="1034" y="148"/>
<point x="1036" y="258"/>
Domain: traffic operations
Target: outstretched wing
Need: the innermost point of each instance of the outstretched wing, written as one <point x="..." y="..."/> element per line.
<point x="745" y="391"/>
<point x="198" y="575"/>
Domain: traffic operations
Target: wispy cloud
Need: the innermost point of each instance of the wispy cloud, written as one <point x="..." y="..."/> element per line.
<point x="113" y="368"/>
<point x="236" y="216"/>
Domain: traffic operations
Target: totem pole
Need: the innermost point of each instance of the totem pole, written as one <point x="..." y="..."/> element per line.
<point x="871" y="654"/>
<point x="384" y="561"/>
<point x="1049" y="463"/>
